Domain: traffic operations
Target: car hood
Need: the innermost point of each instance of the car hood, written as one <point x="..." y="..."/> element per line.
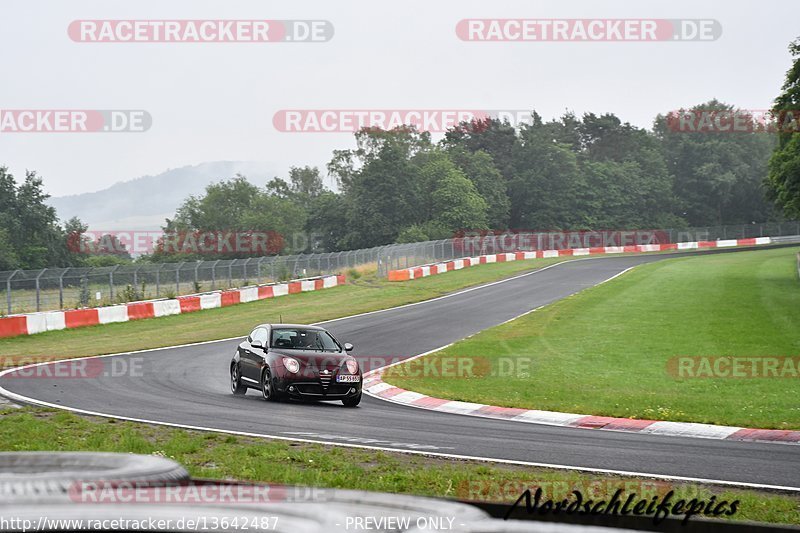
<point x="312" y="359"/>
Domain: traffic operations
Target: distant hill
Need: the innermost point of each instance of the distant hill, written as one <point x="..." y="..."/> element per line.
<point x="143" y="203"/>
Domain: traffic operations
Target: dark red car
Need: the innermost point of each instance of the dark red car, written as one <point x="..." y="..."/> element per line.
<point x="296" y="361"/>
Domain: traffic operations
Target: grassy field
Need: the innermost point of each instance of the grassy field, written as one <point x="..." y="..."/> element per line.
<point x="606" y="350"/>
<point x="367" y="293"/>
<point x="220" y="456"/>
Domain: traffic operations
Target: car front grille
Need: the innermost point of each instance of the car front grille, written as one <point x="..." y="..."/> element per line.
<point x="316" y="389"/>
<point x="325" y="380"/>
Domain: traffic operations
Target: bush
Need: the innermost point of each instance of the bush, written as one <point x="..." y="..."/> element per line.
<point x="130" y="294"/>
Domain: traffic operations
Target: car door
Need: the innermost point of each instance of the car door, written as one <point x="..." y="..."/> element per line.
<point x="252" y="356"/>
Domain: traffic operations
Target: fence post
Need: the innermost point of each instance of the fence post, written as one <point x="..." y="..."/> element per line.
<point x="61" y="290"/>
<point x="258" y="270"/>
<point x="37" y="289"/>
<point x="214" y="275"/>
<point x="8" y="290"/>
<point x="247" y="262"/>
<point x="158" y="281"/>
<point x="178" y="278"/>
<point x="230" y="274"/>
<point x="196" y="278"/>
<point x="111" y="284"/>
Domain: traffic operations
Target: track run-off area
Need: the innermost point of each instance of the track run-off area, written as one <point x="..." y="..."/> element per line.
<point x="188" y="386"/>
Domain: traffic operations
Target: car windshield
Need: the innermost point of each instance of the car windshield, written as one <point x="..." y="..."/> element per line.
<point x="304" y="339"/>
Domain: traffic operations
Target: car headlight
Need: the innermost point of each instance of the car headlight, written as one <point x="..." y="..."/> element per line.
<point x="291" y="365"/>
<point x="352" y="366"/>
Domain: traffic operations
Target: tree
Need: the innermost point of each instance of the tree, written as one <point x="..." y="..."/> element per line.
<point x="110" y="245"/>
<point x="783" y="180"/>
<point x="459" y="206"/>
<point x="717" y="177"/>
<point x="327" y="217"/>
<point x="381" y="198"/>
<point x="305" y="183"/>
<point x="8" y="256"/>
<point x="493" y="136"/>
<point x="233" y="209"/>
<point x="479" y="168"/>
<point x="380" y="185"/>
<point x="31" y="236"/>
<point x="547" y="186"/>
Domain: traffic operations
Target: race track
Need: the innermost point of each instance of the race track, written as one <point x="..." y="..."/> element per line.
<point x="189" y="386"/>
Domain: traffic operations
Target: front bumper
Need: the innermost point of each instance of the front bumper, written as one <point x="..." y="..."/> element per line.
<point x="317" y="388"/>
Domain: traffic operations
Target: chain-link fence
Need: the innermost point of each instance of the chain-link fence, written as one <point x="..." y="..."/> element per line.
<point x="400" y="256"/>
<point x="64" y="288"/>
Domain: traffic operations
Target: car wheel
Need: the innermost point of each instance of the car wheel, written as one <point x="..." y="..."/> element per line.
<point x="268" y="391"/>
<point x="353" y="401"/>
<point x="237" y="387"/>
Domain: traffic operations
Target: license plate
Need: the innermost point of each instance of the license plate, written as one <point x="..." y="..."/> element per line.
<point x="347" y="379"/>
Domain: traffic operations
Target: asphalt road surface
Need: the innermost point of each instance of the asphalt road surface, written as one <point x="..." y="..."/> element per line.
<point x="190" y="386"/>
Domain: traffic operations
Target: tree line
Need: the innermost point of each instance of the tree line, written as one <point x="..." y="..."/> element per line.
<point x="575" y="172"/>
<point x="588" y="172"/>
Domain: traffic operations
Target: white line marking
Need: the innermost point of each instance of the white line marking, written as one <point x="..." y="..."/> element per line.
<point x="415" y="452"/>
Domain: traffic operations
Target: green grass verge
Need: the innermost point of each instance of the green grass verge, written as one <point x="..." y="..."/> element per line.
<point x="605" y="350"/>
<point x="221" y="456"/>
<point x="367" y="293"/>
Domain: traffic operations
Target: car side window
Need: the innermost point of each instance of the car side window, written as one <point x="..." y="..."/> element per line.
<point x="259" y="334"/>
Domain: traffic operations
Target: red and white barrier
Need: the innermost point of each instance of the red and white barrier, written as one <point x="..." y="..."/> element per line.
<point x="32" y="323"/>
<point x="410" y="273"/>
<point x="376" y="387"/>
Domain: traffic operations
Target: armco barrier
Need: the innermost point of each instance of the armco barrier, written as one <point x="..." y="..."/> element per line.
<point x="410" y="273"/>
<point x="32" y="323"/>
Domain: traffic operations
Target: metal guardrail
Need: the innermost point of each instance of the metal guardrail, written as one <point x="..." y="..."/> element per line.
<point x="64" y="288"/>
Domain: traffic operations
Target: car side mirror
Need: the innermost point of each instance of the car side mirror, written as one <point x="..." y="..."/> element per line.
<point x="348" y="347"/>
<point x="257" y="344"/>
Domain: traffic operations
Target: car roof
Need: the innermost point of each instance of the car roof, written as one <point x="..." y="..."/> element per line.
<point x="303" y="326"/>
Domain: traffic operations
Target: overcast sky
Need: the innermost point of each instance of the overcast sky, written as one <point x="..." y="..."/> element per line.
<point x="215" y="101"/>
